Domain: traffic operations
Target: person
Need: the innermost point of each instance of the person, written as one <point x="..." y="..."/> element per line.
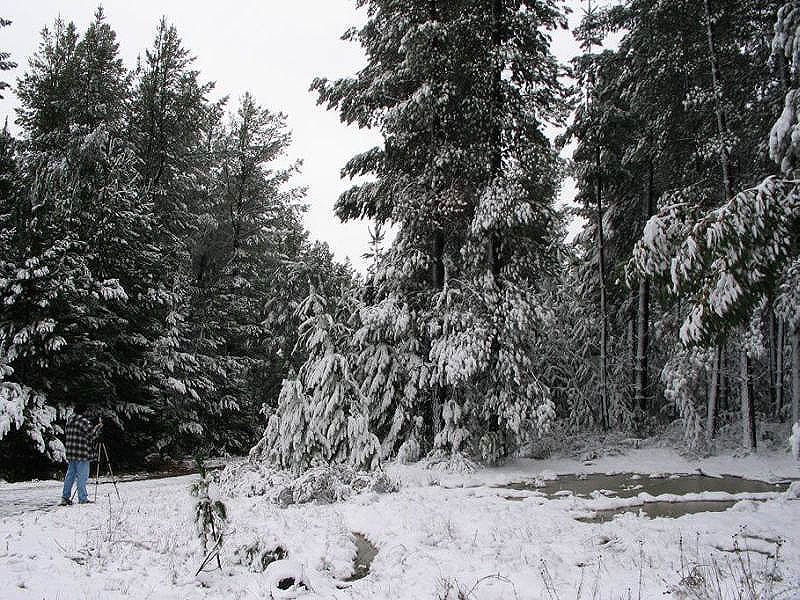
<point x="81" y="439"/>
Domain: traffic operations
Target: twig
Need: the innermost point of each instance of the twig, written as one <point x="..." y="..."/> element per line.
<point x="641" y="566"/>
<point x="213" y="552"/>
<point x="548" y="581"/>
<point x="496" y="576"/>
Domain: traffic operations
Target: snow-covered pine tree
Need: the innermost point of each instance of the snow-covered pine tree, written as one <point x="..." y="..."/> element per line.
<point x="172" y="126"/>
<point x="77" y="239"/>
<point x="321" y="414"/>
<point x="467" y="177"/>
<point x="252" y="217"/>
<point x="387" y="364"/>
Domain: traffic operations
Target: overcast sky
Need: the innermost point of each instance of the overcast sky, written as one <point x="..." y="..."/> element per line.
<point x="272" y="48"/>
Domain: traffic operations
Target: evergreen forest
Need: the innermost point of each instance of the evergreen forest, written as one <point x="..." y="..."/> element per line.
<point x="155" y="266"/>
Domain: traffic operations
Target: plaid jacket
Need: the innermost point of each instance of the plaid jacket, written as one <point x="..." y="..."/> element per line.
<point x="81" y="439"/>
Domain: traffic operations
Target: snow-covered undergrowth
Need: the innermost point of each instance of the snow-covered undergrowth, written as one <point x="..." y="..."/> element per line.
<point x="322" y="484"/>
<point x="439" y="535"/>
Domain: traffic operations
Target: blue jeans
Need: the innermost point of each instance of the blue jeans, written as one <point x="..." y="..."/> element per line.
<point x="77" y="469"/>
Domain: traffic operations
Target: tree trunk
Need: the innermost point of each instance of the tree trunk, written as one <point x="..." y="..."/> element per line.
<point x="630" y="348"/>
<point x="772" y="334"/>
<point x="440" y="393"/>
<point x="438" y="271"/>
<point x="601" y="265"/>
<point x="495" y="241"/>
<point x="643" y="319"/>
<point x="796" y="374"/>
<point x="748" y="410"/>
<point x="779" y="369"/>
<point x="722" y="126"/>
<point x="724" y="382"/>
<point x="713" y="395"/>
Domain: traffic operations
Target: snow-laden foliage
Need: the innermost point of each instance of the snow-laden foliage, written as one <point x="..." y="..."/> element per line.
<point x="484" y="351"/>
<point x="322" y="416"/>
<point x="683" y="376"/>
<point x="468" y="178"/>
<point x="387" y="363"/>
<point x="151" y="255"/>
<point x="785" y="134"/>
<point x="724" y="261"/>
<point x="321" y="483"/>
<point x="23" y="409"/>
<point x="787" y="304"/>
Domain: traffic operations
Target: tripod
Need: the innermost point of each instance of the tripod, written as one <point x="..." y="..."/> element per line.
<point x="103" y="452"/>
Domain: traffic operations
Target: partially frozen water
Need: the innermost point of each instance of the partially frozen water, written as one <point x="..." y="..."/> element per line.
<point x="669" y="510"/>
<point x="628" y="485"/>
<point x="365" y="554"/>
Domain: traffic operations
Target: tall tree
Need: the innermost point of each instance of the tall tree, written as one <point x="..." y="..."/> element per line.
<point x="78" y="248"/>
<point x="468" y="183"/>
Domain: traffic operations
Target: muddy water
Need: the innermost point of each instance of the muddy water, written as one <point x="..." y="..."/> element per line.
<point x="365" y="554"/>
<point x="628" y="485"/>
<point x="669" y="510"/>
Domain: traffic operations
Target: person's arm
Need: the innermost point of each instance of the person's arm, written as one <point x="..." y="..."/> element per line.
<point x="91" y="432"/>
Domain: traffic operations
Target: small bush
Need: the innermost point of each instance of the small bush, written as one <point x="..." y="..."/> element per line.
<point x="323" y="483"/>
<point x="258" y="554"/>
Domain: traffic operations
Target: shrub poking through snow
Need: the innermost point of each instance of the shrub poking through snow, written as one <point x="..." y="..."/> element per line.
<point x="322" y="483"/>
<point x="210" y="517"/>
<point x="732" y="575"/>
<point x="259" y="554"/>
<point x="327" y="484"/>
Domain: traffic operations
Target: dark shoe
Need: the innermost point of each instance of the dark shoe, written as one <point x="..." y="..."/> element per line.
<point x="65" y="502"/>
<point x="85" y="502"/>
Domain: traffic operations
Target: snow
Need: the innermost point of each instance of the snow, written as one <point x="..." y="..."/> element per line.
<point x="441" y="533"/>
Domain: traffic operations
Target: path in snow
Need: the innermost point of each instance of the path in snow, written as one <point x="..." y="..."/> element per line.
<point x="37" y="496"/>
<point x="19" y="498"/>
<point x="45" y="495"/>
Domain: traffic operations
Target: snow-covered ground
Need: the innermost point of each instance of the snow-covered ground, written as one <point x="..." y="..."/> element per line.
<point x="440" y="534"/>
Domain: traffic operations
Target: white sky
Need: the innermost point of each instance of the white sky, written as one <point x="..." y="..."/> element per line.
<point x="272" y="48"/>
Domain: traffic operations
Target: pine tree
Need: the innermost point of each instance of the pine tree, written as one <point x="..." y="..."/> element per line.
<point x="78" y="238"/>
<point x="467" y="176"/>
<point x="171" y="124"/>
<point x="321" y="415"/>
<point x="252" y="217"/>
